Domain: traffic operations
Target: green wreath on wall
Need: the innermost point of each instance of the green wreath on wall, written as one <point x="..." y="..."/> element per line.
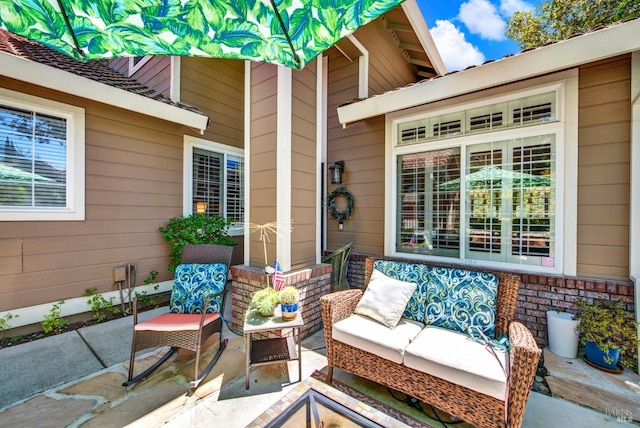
<point x="337" y="214"/>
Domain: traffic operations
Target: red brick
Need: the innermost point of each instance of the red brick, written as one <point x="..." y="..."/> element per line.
<point x="539" y="300"/>
<point x="622" y="289"/>
<point x="601" y="287"/>
<point x="612" y="288"/>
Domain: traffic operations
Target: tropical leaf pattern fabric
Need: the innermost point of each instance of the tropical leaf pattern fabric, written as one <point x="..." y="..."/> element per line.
<point x="409" y="272"/>
<point x="193" y="283"/>
<point x="248" y="30"/>
<point x="457" y="299"/>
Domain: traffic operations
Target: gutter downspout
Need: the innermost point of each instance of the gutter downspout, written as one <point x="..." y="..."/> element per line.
<point x="634" y="187"/>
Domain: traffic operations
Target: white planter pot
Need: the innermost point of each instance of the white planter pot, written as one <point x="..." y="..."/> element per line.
<point x="563" y="334"/>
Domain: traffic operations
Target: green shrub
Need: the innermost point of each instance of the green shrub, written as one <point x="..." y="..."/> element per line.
<point x="4" y="322"/>
<point x="100" y="306"/>
<point x="192" y="230"/>
<point x="53" y="321"/>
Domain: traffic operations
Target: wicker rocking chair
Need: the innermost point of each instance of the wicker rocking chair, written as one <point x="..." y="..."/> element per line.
<point x="200" y="282"/>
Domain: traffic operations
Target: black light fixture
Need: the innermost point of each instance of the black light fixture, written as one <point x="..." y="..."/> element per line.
<point x="336" y="172"/>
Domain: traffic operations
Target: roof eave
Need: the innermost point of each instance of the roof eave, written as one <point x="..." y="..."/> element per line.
<point x="590" y="47"/>
<point x="53" y="78"/>
<point x="415" y="17"/>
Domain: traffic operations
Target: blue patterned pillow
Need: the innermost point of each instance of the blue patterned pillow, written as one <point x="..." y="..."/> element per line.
<point x="457" y="299"/>
<point x="193" y="283"/>
<point x="409" y="272"/>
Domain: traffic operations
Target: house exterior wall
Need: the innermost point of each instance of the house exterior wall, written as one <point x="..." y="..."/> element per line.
<point x="304" y="203"/>
<point x="133" y="185"/>
<point x="603" y="195"/>
<point x="361" y="145"/>
<point x="262" y="158"/>
<point x="603" y="169"/>
<point x="216" y="88"/>
<point x="155" y="73"/>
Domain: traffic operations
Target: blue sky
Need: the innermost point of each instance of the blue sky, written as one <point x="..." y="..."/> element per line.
<point x="470" y="32"/>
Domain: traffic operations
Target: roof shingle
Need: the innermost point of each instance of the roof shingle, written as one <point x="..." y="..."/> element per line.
<point x="95" y="70"/>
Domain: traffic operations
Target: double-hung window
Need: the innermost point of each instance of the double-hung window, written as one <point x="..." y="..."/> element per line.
<point x="41" y="159"/>
<point x="214" y="182"/>
<point x="480" y="184"/>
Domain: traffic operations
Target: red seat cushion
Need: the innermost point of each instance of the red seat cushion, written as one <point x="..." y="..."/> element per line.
<point x="175" y="322"/>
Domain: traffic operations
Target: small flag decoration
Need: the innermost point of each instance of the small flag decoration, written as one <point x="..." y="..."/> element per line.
<point x="278" y="279"/>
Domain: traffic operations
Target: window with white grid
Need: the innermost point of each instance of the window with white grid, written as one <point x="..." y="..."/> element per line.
<point x="40" y="146"/>
<point x="489" y="197"/>
<point x="217" y="180"/>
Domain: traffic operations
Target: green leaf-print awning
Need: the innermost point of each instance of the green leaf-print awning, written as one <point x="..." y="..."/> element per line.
<point x="286" y="32"/>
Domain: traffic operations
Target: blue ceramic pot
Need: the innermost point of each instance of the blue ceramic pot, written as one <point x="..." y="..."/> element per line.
<point x="289" y="307"/>
<point x="596" y="356"/>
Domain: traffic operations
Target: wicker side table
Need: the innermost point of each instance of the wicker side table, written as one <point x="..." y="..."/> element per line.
<point x="274" y="350"/>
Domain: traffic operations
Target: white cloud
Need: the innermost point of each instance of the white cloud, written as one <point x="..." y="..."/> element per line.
<point x="456" y="52"/>
<point x="482" y="17"/>
<point x="508" y="7"/>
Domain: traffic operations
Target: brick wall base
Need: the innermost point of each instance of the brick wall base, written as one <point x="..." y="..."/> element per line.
<point x="311" y="283"/>
<point x="538" y="294"/>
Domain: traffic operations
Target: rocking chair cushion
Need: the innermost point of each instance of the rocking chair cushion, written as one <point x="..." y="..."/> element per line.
<point x="193" y="283"/>
<point x="175" y="322"/>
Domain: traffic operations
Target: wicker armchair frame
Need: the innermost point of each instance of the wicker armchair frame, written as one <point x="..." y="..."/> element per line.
<point x="476" y="408"/>
<point x="193" y="340"/>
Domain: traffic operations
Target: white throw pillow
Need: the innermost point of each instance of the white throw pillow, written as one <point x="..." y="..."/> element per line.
<point x="385" y="299"/>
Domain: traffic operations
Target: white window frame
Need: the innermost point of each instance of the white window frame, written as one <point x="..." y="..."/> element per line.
<point x="75" y="118"/>
<point x="566" y="130"/>
<point x="189" y="144"/>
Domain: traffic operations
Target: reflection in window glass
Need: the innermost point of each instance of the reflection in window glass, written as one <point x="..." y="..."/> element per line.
<point x="218" y="184"/>
<point x="508" y="189"/>
<point x="33" y="159"/>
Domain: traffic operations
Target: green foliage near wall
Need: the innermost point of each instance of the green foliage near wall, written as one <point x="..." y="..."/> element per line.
<point x="193" y="230"/>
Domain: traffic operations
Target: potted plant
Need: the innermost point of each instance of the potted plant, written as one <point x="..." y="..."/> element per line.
<point x="264" y="301"/>
<point x="608" y="333"/>
<point x="289" y="302"/>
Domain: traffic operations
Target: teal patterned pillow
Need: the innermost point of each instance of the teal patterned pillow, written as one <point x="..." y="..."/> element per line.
<point x="193" y="282"/>
<point x="457" y="299"/>
<point x="409" y="272"/>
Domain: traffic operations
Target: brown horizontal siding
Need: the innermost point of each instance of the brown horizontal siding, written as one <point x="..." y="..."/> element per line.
<point x="303" y="167"/>
<point x="155" y="73"/>
<point x="133" y="185"/>
<point x="388" y="67"/>
<point x="603" y="169"/>
<point x="216" y="87"/>
<point x="263" y="160"/>
<point x="361" y="145"/>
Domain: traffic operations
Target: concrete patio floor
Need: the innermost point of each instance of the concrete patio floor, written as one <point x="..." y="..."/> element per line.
<point x="34" y="391"/>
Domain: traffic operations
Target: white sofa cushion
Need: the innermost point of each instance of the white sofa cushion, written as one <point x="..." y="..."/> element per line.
<point x="385" y="298"/>
<point x="456" y="357"/>
<point x="371" y="336"/>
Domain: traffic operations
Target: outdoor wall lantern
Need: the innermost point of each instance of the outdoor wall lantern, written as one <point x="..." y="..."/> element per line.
<point x="336" y="172"/>
<point x="201" y="207"/>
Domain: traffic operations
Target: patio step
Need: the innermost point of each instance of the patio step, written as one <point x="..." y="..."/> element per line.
<point x="617" y="395"/>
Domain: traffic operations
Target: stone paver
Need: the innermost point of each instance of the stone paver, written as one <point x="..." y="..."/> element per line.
<point x="614" y="394"/>
<point x="140" y="404"/>
<point x="31" y="368"/>
<point x="107" y="385"/>
<point x="44" y="412"/>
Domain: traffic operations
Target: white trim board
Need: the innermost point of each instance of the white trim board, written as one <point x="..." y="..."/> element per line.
<point x="69" y="83"/>
<point x="590" y="47"/>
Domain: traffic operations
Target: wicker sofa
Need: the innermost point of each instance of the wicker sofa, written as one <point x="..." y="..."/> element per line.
<point x="363" y="351"/>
